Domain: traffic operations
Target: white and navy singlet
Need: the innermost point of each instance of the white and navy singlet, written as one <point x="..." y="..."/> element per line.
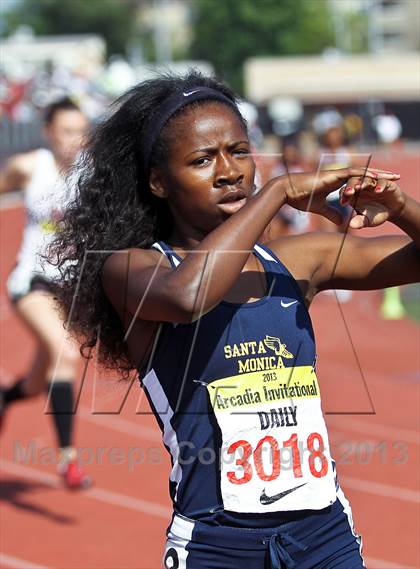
<point x="238" y="401"/>
<point x="45" y="196"/>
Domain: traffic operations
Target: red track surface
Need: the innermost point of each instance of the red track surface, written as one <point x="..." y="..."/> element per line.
<point x="120" y="522"/>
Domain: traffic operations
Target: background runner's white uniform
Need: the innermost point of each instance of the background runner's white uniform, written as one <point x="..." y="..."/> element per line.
<point x="45" y="196"/>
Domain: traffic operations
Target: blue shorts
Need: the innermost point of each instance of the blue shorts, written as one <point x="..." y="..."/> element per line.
<point x="322" y="540"/>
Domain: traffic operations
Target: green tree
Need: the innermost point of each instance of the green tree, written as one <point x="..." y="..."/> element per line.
<point x="227" y="32"/>
<point x="112" y="19"/>
<point x="358" y="26"/>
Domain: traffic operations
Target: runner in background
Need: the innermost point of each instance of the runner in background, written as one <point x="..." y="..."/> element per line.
<point x="41" y="175"/>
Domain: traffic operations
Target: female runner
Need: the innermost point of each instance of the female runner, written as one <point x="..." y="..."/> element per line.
<point x="41" y="175"/>
<point x="217" y="324"/>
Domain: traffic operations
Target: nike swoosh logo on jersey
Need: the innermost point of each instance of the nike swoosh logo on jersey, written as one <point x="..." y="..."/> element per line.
<point x="267" y="500"/>
<point x="287" y="304"/>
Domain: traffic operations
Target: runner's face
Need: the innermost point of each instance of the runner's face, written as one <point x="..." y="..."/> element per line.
<point x="65" y="134"/>
<point x="209" y="157"/>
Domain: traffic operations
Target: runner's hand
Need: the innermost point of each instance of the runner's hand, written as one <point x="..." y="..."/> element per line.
<point x="308" y="192"/>
<point x="374" y="201"/>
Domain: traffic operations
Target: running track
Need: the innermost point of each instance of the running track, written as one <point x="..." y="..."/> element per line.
<point x="120" y="522"/>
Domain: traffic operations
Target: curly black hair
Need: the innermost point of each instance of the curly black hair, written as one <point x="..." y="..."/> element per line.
<point x="112" y="210"/>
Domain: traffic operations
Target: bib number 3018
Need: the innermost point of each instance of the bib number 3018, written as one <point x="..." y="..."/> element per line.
<point x="317" y="461"/>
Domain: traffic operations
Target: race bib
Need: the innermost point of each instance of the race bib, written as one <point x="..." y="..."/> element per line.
<point x="275" y="451"/>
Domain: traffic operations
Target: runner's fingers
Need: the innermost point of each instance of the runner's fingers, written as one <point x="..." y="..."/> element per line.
<point x="370" y="173"/>
<point x="358" y="184"/>
<point x="386" y="174"/>
<point x="355" y="185"/>
<point x="349" y="194"/>
<point x="384" y="185"/>
<point x="367" y="184"/>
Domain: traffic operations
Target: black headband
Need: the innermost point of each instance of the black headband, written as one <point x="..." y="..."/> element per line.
<point x="168" y="108"/>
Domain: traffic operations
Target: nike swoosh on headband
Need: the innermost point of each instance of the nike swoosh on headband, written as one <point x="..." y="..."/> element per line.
<point x="267" y="500"/>
<point x="287" y="304"/>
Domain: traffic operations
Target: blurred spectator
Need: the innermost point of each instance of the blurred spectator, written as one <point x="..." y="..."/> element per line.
<point x="329" y="126"/>
<point x="26" y="91"/>
<point x="250" y="114"/>
<point x="11" y="96"/>
<point x="118" y="77"/>
<point x="388" y="128"/>
<point x="37" y="88"/>
<point x="334" y="153"/>
<point x="291" y="162"/>
<point x="288" y="220"/>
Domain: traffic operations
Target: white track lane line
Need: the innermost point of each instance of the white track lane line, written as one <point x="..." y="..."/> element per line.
<point x="121" y="425"/>
<point x="363" y="449"/>
<point x="95" y="493"/>
<point x="374" y="429"/>
<point x="379" y="489"/>
<point x="381" y="564"/>
<point x="12" y="562"/>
